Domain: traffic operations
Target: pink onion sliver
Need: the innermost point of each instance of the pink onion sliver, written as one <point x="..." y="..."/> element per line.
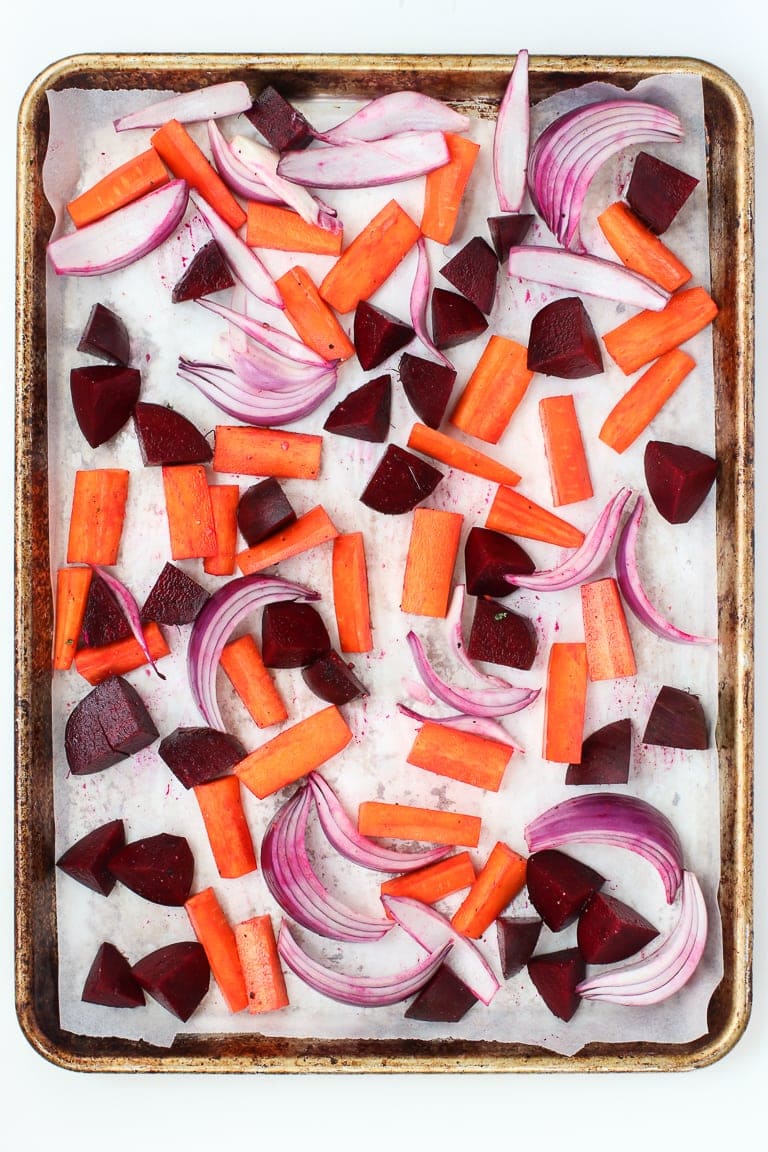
<point x="456" y="639"/>
<point x="416" y="690"/>
<point x="420" y="300"/>
<point x="209" y="103"/>
<point x="590" y="275"/>
<point x="395" y="113"/>
<point x="242" y="260"/>
<point x="272" y="338"/>
<point x="490" y="702"/>
<point x="130" y="609"/>
<point x="511" y="139"/>
<point x="265" y="409"/>
<point x="461" y="722"/>
<point x="263" y="163"/>
<point x="367" y="165"/>
<point x="260" y="369"/>
<point x="234" y="173"/>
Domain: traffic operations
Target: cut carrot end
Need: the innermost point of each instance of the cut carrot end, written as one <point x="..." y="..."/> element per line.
<point x="516" y="515"/>
<point x="313" y="320"/>
<point x="648" y="335"/>
<point x="295" y="752"/>
<point x="494" y="390"/>
<point x="72" y="586"/>
<point x="228" y="834"/>
<point x="248" y="675"/>
<point x="568" y="468"/>
<point x="444" y="189"/>
<point x="370" y="259"/>
<point x="430" y="825"/>
<point x="632" y="414"/>
<point x="190" y="514"/>
<point x="461" y="756"/>
<point x="309" y="531"/>
<point x="431" y="559"/>
<point x="187" y="162"/>
<point x="497" y="884"/>
<point x="260" y="962"/>
<point x="349" y="574"/>
<point x="448" y="451"/>
<point x="565" y="701"/>
<point x="609" y="646"/>
<point x="266" y="452"/>
<point x="214" y="932"/>
<point x="640" y="249"/>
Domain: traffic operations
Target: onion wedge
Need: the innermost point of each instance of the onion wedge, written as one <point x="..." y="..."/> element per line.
<point x="485" y="702"/>
<point x="234" y="173"/>
<point x="511" y="138"/>
<point x="263" y="163"/>
<point x="366" y="165"/>
<point x="393" y="114"/>
<point x="271" y="338"/>
<point x="265" y="408"/>
<point x="209" y="103"/>
<point x="590" y="275"/>
<point x="242" y="260"/>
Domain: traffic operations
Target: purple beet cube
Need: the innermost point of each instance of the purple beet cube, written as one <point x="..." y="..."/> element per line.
<point x="555" y="977"/>
<point x="177" y="976"/>
<point x="281" y="125"/>
<point x="610" y="931"/>
<point x="427" y="386"/>
<point x="501" y="636"/>
<point x="488" y="557"/>
<point x="508" y="231"/>
<point x="85" y="742"/>
<point x="262" y="510"/>
<point x="400" y="481"/>
<point x="365" y="413"/>
<point x="605" y="756"/>
<point x="377" y="335"/>
<point x="87" y="860"/>
<point x="110" y="723"/>
<point x="472" y="271"/>
<point x="455" y="320"/>
<point x="175" y="598"/>
<point x="103" y="397"/>
<point x="657" y="191"/>
<point x="199" y="755"/>
<point x="207" y="272"/>
<point x="104" y="621"/>
<point x="167" y="437"/>
<point x="518" y="937"/>
<point x="562" y="341"/>
<point x="111" y="982"/>
<point x="292" y="635"/>
<point x="443" y="999"/>
<point x="158" y="868"/>
<point x="678" y="478"/>
<point x="677" y="720"/>
<point x="333" y="680"/>
<point x="105" y="336"/>
<point x="559" y="886"/>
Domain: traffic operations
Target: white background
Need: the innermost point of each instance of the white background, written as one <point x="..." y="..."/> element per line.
<point x="44" y="1107"/>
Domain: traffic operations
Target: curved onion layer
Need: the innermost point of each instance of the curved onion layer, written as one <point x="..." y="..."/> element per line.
<point x="634" y="593"/>
<point x="263" y="163"/>
<point x="395" y="113"/>
<point x="130" y="609"/>
<point x="238" y="178"/>
<point x="265" y="334"/>
<point x="475" y="725"/>
<point x="416" y="690"/>
<point x="456" y="639"/>
<point x="511" y="138"/>
<point x="360" y="991"/>
<point x="345" y="838"/>
<point x="263" y="409"/>
<point x="263" y="370"/>
<point x="222" y="612"/>
<point x="663" y="972"/>
<point x="123" y="236"/>
<point x="619" y="821"/>
<point x="490" y="702"/>
<point x="590" y="275"/>
<point x="242" y="261"/>
<point x="430" y="929"/>
<point x="366" y="165"/>
<point x="209" y="103"/>
<point x="420" y="300"/>
<point x="587" y="558"/>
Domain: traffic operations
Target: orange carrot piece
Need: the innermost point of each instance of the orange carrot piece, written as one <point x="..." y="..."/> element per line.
<point x="189" y="510"/>
<point x="640" y="249"/>
<point x="497" y="884"/>
<point x="462" y="756"/>
<point x="97" y="664"/>
<point x="98" y="514"/>
<point x="432" y="551"/>
<point x="568" y="467"/>
<point x="609" y="646"/>
<point x="349" y="575"/>
<point x="313" y="320"/>
<point x="224" y="501"/>
<point x="221" y="807"/>
<point x="260" y="962"/>
<point x="632" y="414"/>
<point x="272" y="226"/>
<point x="494" y="390"/>
<point x="72" y="585"/>
<point x="444" y="189"/>
<point x="295" y="752"/>
<point x="131" y="180"/>
<point x="565" y="700"/>
<point x="214" y="932"/>
<point x="515" y="514"/>
<point x="370" y="259"/>
<point x="242" y="662"/>
<point x="186" y="161"/>
<point x="309" y="531"/>
<point x="648" y="335"/>
<point x="452" y="452"/>
<point x="432" y="883"/>
<point x="266" y="452"/>
<point x="430" y="825"/>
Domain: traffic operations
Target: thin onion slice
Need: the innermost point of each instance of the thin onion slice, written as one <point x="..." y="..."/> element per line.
<point x="461" y="722"/>
<point x="272" y="338"/>
<point x="490" y="702"/>
<point x="367" y="165"/>
<point x="126" y="602"/>
<point x="590" y="275"/>
<point x="263" y="163"/>
<point x="242" y="260"/>
<point x="456" y="639"/>
<point x="261" y="369"/>
<point x="238" y="178"/>
<point x="261" y="409"/>
<point x="393" y="114"/>
<point x="420" y="300"/>
<point x="511" y="138"/>
<point x="213" y="102"/>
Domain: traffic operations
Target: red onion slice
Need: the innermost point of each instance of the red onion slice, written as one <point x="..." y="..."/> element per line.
<point x="475" y="725"/>
<point x="127" y="604"/>
<point x="420" y="300"/>
<point x="242" y="261"/>
<point x="416" y="690"/>
<point x="511" y="138"/>
<point x="367" y="165"/>
<point x="490" y="702"/>
<point x="590" y="275"/>
<point x="209" y="103"/>
<point x="263" y="163"/>
<point x="394" y="114"/>
<point x="271" y="338"/>
<point x="456" y="639"/>
<point x="262" y="409"/>
<point x="238" y="178"/>
<point x="261" y="370"/>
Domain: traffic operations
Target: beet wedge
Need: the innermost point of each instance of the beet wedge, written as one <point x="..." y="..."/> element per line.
<point x="609" y="930"/>
<point x="175" y="598"/>
<point x="263" y="510"/>
<point x="292" y="635"/>
<point x="444" y="999"/>
<point x="365" y="413"/>
<point x="455" y="320"/>
<point x="677" y="720"/>
<point x="176" y="976"/>
<point x="104" y="621"/>
<point x="377" y="335"/>
<point x="472" y="272"/>
<point x="488" y="557"/>
<point x="606" y="755"/>
<point x="508" y="231"/>
<point x="108" y="725"/>
<point x="281" y="125"/>
<point x="559" y="886"/>
<point x="199" y="755"/>
<point x="555" y="976"/>
<point x="207" y="273"/>
<point x="111" y="982"/>
<point x="427" y="386"/>
<point x="167" y="437"/>
<point x="517" y="937"/>
<point x="657" y="191"/>
<point x="87" y="860"/>
<point x="678" y="478"/>
<point x="158" y="868"/>
<point x="501" y="636"/>
<point x="400" y="482"/>
<point x="103" y="397"/>
<point x="105" y="336"/>
<point x="562" y="341"/>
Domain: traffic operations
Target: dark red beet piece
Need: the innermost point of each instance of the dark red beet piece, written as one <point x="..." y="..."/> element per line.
<point x="454" y="319"/>
<point x="488" y="555"/>
<point x="472" y="271"/>
<point x="677" y="720"/>
<point x="177" y="976"/>
<point x="281" y="125"/>
<point x="518" y="937"/>
<point x="562" y="341"/>
<point x="292" y="635"/>
<point x="609" y="930"/>
<point x="444" y="999"/>
<point x="103" y="397"/>
<point x="364" y="414"/>
<point x="400" y="482"/>
<point x="106" y="336"/>
<point x="87" y="861"/>
<point x="111" y="982"/>
<point x="678" y="479"/>
<point x="605" y="756"/>
<point x="427" y="386"/>
<point x="175" y="598"/>
<point x="85" y="743"/>
<point x="508" y="231"/>
<point x="555" y="977"/>
<point x="377" y="334"/>
<point x="333" y="680"/>
<point x="159" y="868"/>
<point x="207" y="272"/>
<point x="263" y="509"/>
<point x="110" y="723"/>
<point x="657" y="191"/>
<point x="560" y="886"/>
<point x="167" y="437"/>
<point x="198" y="755"/>
<point x="104" y="621"/>
<point x="501" y="636"/>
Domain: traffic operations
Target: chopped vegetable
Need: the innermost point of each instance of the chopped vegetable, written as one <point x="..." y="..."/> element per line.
<point x="498" y="882"/>
<point x="272" y="226"/>
<point x="185" y="160"/>
<point x="72" y="585"/>
<point x="224" y="502"/>
<point x="264" y="980"/>
<point x="370" y="259"/>
<point x="311" y="317"/>
<point x="309" y="531"/>
<point x="494" y="390"/>
<point x="435" y="881"/>
<point x="565" y="698"/>
<point x="213" y="100"/>
<point x="406" y="822"/>
<point x="444" y="189"/>
<point x="639" y="249"/>
<point x="189" y="510"/>
<point x="461" y="756"/>
<point x="215" y="934"/>
<point x="455" y="454"/>
<point x="632" y="414"/>
<point x="515" y="514"/>
<point x="97" y="664"/>
<point x="350" y="593"/>
<point x="242" y="662"/>
<point x="432" y="551"/>
<point x="610" y="655"/>
<point x="296" y="751"/>
<point x="511" y="138"/>
<point x="568" y="467"/>
<point x="648" y="335"/>
<point x="132" y="180"/>
<point x="226" y="826"/>
<point x="266" y="452"/>
<point x="98" y="513"/>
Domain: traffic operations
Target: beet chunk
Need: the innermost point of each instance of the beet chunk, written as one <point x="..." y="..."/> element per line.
<point x="488" y="555"/>
<point x="103" y="397"/>
<point x="333" y="680"/>
<point x="559" y="886"/>
<point x="555" y="977"/>
<point x="281" y="125"/>
<point x="610" y="930"/>
<point x="444" y="999"/>
<point x="400" y="482"/>
<point x="678" y="479"/>
<point x="364" y="414"/>
<point x="198" y="755"/>
<point x="175" y="598"/>
<point x="563" y="342"/>
<point x="207" y="272"/>
<point x="677" y="720"/>
<point x="109" y="724"/>
<point x="518" y="937"/>
<point x="104" y="621"/>
<point x="501" y="636"/>
<point x="87" y="861"/>
<point x="106" y="336"/>
<point x="377" y="334"/>
<point x="177" y="976"/>
<point x="111" y="982"/>
<point x="159" y="868"/>
<point x="292" y="635"/>
<point x="427" y="386"/>
<point x="262" y="510"/>
<point x="605" y="756"/>
<point x="472" y="271"/>
<point x="167" y="437"/>
<point x="508" y="231"/>
<point x="657" y="191"/>
<point x="85" y="742"/>
<point x="454" y="319"/>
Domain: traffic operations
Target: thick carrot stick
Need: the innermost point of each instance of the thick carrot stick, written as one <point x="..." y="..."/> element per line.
<point x="648" y="335"/>
<point x="188" y="507"/>
<point x="632" y="414"/>
<point x="72" y="586"/>
<point x="568" y="467"/>
<point x="186" y="161"/>
<point x="97" y="664"/>
<point x="214" y="932"/>
<point x="462" y="756"/>
<point x="309" y="531"/>
<point x="640" y="249"/>
<point x="432" y="551"/>
<point x="98" y="514"/>
<point x="224" y="501"/>
<point x="497" y="884"/>
<point x="565" y="700"/>
<point x="432" y="883"/>
<point x="609" y="646"/>
<point x="272" y="226"/>
<point x="349" y="574"/>
<point x="448" y="451"/>
<point x="122" y="186"/>
<point x="313" y="320"/>
<point x="515" y="514"/>
<point x="444" y="189"/>
<point x="431" y="825"/>
<point x="295" y="752"/>
<point x="242" y="662"/>
<point x="260" y="962"/>
<point x="221" y="807"/>
<point x="494" y="390"/>
<point x="266" y="452"/>
<point x="370" y="259"/>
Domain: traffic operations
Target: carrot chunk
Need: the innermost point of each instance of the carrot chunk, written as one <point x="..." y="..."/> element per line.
<point x="462" y="756"/>
<point x="648" y="335"/>
<point x="97" y="664"/>
<point x="494" y="390"/>
<point x="138" y="176"/>
<point x="309" y="531"/>
<point x="568" y="468"/>
<point x="242" y="662"/>
<point x="349" y="575"/>
<point x="435" y="881"/>
<point x="266" y="452"/>
<point x="609" y="646"/>
<point x="295" y="752"/>
<point x="565" y="700"/>
<point x="497" y="884"/>
<point x="190" y="514"/>
<point x="639" y="249"/>
<point x="632" y="414"/>
<point x="313" y="320"/>
<point x="272" y="226"/>
<point x="214" y="932"/>
<point x="221" y="807"/>
<point x="187" y="162"/>
<point x="98" y="514"/>
<point x="431" y="559"/>
<point x="370" y="259"/>
<point x="431" y="825"/>
<point x="224" y="501"/>
<point x="72" y="585"/>
<point x="518" y="516"/>
<point x="452" y="452"/>
<point x="260" y="962"/>
<point x="444" y="189"/>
